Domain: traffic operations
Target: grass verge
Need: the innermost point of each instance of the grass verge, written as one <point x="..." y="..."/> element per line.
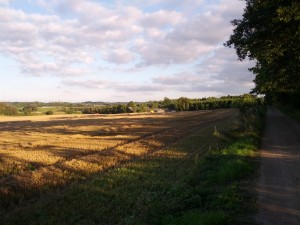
<point x="220" y="179"/>
<point x="199" y="180"/>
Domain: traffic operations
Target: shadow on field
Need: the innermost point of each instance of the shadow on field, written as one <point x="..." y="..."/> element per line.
<point x="76" y="173"/>
<point x="147" y="189"/>
<point x="27" y="179"/>
<point x="67" y="125"/>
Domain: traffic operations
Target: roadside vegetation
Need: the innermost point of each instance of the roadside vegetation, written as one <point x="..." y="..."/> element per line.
<point x="202" y="178"/>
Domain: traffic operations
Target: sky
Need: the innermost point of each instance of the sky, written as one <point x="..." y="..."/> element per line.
<point x="118" y="51"/>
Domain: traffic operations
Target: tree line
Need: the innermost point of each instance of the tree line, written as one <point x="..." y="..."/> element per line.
<point x="180" y="104"/>
<point x="269" y="33"/>
<point x="186" y="104"/>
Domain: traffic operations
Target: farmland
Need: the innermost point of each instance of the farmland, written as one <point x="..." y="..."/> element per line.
<point x="42" y="158"/>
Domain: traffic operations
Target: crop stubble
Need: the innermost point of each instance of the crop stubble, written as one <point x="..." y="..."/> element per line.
<point x="47" y="152"/>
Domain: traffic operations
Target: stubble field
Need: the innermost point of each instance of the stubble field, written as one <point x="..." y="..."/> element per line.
<point x="40" y="154"/>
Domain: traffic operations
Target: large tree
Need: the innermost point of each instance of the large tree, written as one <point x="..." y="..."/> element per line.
<point x="269" y="33"/>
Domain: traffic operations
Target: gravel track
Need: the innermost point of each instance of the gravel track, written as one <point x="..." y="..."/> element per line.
<point x="278" y="185"/>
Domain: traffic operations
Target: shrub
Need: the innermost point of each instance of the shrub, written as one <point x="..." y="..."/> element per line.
<point x="49" y="112"/>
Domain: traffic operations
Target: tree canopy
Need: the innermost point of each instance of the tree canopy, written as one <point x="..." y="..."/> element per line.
<point x="269" y="33"/>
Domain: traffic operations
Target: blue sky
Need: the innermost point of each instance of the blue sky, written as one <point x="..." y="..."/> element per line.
<point x="93" y="50"/>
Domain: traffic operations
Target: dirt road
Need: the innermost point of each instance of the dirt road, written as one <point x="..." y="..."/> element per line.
<point x="278" y="185"/>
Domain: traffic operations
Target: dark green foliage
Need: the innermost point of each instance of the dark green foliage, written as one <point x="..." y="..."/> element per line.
<point x="131" y="107"/>
<point x="29" y="108"/>
<point x="152" y="104"/>
<point x="270" y="33"/>
<point x="142" y="108"/>
<point x="186" y="104"/>
<point x="181" y="104"/>
<point x="49" y="112"/>
<point x="198" y="218"/>
<point x="69" y="110"/>
<point x="108" y="109"/>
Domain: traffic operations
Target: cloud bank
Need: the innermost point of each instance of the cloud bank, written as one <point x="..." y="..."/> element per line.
<point x="71" y="40"/>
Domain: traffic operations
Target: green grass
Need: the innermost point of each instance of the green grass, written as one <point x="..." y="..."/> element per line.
<point x="198" y="181"/>
<point x="52" y="108"/>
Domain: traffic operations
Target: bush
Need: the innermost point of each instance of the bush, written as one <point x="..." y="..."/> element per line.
<point x="49" y="112"/>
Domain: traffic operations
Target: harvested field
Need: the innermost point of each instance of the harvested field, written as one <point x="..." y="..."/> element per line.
<point x="38" y="153"/>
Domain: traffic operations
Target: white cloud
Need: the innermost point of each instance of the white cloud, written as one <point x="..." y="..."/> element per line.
<point x="168" y="52"/>
<point x="221" y="73"/>
<point x="229" y="9"/>
<point x="186" y="78"/>
<point x="76" y="37"/>
<point x="233" y="74"/>
<point x="4" y="2"/>
<point x="90" y="84"/>
<point x="55" y="39"/>
<point x="189" y="39"/>
<point x="119" y="56"/>
<point x="161" y="19"/>
<point x="166" y="37"/>
<point x="206" y="28"/>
